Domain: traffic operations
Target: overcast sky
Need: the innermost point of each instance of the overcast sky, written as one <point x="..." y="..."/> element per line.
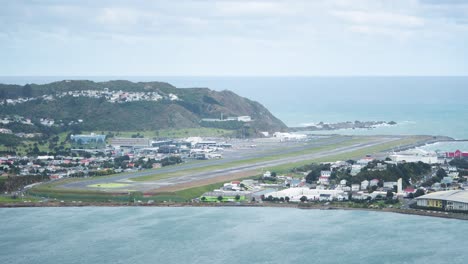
<point x="335" y="37"/>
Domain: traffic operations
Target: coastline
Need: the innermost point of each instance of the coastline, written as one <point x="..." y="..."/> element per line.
<point x="419" y="212"/>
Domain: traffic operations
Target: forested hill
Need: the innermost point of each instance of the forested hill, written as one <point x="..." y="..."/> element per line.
<point x="124" y="105"/>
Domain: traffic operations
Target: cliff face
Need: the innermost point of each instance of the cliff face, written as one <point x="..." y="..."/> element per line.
<point x="112" y="105"/>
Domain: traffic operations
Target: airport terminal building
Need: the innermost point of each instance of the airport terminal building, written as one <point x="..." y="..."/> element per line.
<point x="88" y="141"/>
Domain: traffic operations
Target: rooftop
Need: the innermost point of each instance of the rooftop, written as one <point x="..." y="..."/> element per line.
<point x="456" y="196"/>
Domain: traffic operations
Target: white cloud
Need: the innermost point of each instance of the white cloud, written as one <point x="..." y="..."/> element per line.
<point x="119" y="16"/>
<point x="303" y="34"/>
<point x="247" y="8"/>
<point x="379" y="18"/>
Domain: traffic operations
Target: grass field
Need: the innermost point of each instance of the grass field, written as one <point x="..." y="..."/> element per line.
<point x="171" y="133"/>
<point x="7" y="199"/>
<point x="50" y="191"/>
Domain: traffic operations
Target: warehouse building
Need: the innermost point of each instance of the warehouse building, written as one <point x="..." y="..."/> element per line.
<point x="130" y="142"/>
<point x="456" y="200"/>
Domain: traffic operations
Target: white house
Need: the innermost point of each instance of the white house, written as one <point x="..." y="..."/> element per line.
<point x="244" y="118"/>
<point x="374" y="182"/>
<point x="390" y="184"/>
<point x="355" y="169"/>
<point x="364" y="184"/>
<point x="324" y="180"/>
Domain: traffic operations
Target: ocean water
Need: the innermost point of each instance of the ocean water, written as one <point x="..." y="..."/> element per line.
<point x="447" y="146"/>
<point x="420" y="105"/>
<point x="226" y="235"/>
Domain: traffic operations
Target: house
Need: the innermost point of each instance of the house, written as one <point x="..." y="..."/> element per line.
<point x="374" y="182"/>
<point x="324" y="177"/>
<point x="355" y="187"/>
<point x="390" y="184"/>
<point x="409" y="190"/>
<point x="244" y="118"/>
<point x="324" y="180"/>
<point x="364" y="162"/>
<point x="355" y="169"/>
<point x="325" y="197"/>
<point x="447" y="180"/>
<point x="364" y="184"/>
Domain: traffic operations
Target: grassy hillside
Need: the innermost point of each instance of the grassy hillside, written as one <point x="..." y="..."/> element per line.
<point x="99" y="114"/>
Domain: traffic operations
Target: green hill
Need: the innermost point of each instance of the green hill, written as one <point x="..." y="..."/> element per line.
<point x="69" y="103"/>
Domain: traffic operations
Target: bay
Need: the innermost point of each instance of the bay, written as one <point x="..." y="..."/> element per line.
<point x="226" y="235"/>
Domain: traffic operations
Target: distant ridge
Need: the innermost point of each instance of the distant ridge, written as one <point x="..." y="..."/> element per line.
<point x="130" y="106"/>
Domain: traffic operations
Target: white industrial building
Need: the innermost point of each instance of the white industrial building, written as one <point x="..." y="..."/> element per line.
<point x="295" y="194"/>
<point x="456" y="200"/>
<point x="415" y="155"/>
<point x="289" y="136"/>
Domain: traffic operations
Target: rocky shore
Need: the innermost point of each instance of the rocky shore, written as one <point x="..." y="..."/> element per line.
<point x="343" y="125"/>
<point x="460" y="216"/>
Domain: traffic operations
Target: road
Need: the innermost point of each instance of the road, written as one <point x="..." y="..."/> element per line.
<point x="236" y="155"/>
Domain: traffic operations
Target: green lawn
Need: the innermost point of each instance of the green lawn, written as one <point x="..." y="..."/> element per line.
<point x="8" y="199"/>
<point x="172" y="133"/>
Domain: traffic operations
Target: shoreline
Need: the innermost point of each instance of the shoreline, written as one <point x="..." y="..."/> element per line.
<point x="419" y="212"/>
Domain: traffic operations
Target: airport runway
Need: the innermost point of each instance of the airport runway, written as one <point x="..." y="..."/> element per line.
<point x="261" y="150"/>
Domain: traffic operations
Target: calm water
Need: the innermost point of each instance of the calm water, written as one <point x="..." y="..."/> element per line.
<point x="420" y="105"/>
<point x="226" y="235"/>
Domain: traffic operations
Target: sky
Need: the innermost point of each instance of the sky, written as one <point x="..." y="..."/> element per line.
<point x="233" y="38"/>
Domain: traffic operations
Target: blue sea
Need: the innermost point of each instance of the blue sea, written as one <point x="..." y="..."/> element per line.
<point x="226" y="235"/>
<point x="420" y="105"/>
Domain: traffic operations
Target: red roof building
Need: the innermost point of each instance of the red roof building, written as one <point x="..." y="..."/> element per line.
<point x="456" y="154"/>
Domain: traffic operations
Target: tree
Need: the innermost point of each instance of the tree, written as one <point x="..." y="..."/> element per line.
<point x="441" y="174"/>
<point x="273" y="174"/>
<point x="220" y="198"/>
<point x="27" y="91"/>
<point x="286" y="199"/>
<point x="203" y="199"/>
<point x="237" y="197"/>
<point x="419" y="192"/>
<point x="303" y="199"/>
<point x="389" y="195"/>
